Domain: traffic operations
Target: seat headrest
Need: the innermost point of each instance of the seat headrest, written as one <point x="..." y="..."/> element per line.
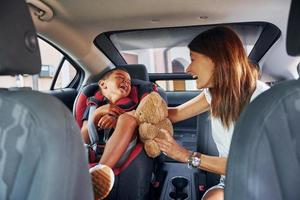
<point x="293" y="30"/>
<point x="20" y="50"/>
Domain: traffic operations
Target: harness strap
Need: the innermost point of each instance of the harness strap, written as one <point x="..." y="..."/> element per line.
<point x="136" y="151"/>
<point x="127" y="152"/>
<point x="93" y="134"/>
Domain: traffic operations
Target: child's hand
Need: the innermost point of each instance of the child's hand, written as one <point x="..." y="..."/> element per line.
<point x="106" y="109"/>
<point x="107" y="121"/>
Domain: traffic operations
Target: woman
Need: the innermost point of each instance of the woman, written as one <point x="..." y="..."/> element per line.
<point x="221" y="67"/>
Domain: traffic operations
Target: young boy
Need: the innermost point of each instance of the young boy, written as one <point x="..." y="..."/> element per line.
<point x="115" y="86"/>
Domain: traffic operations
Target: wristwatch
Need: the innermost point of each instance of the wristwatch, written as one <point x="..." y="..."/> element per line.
<point x="194" y="161"/>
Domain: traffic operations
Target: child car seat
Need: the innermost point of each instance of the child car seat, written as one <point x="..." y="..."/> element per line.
<point x="133" y="177"/>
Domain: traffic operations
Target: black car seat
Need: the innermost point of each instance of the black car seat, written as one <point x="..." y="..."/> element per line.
<point x="41" y="150"/>
<point x="264" y="158"/>
<point x="133" y="178"/>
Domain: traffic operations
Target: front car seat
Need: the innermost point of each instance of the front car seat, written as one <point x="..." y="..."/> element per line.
<point x="41" y="150"/>
<point x="264" y="158"/>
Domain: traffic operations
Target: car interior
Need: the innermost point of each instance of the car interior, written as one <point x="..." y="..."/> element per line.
<point x="55" y="51"/>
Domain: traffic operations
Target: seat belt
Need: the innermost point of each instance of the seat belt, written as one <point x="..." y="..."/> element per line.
<point x="93" y="134"/>
<point x="127" y="152"/>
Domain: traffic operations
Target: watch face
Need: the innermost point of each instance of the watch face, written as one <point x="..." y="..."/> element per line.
<point x="195" y="161"/>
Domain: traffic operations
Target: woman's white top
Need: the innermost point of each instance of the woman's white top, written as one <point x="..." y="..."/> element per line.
<point x="221" y="135"/>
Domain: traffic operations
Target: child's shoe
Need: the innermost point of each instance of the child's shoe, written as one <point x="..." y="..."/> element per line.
<point x="102" y="179"/>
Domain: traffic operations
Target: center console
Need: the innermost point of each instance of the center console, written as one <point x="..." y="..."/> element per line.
<point x="180" y="182"/>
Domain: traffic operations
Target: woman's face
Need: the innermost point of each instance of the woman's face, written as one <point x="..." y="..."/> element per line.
<point x="201" y="68"/>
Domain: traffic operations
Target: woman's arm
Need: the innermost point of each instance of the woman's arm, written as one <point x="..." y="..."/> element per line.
<point x="175" y="151"/>
<point x="189" y="109"/>
<point x="213" y="164"/>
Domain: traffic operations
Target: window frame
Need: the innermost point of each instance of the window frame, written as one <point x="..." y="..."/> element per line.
<point x="79" y="77"/>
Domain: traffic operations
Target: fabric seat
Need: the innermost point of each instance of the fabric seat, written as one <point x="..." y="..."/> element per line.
<point x="41" y="150"/>
<point x="264" y="158"/>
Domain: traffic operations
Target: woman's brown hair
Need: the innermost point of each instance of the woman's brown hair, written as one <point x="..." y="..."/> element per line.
<point x="234" y="77"/>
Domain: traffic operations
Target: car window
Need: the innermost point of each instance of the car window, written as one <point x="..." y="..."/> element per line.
<point x="165" y="50"/>
<point x="177" y="85"/>
<point x="53" y="62"/>
<point x="65" y="76"/>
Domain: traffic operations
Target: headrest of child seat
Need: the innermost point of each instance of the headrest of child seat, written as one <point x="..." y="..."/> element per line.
<point x="20" y="50"/>
<point x="293" y="30"/>
<point x="136" y="71"/>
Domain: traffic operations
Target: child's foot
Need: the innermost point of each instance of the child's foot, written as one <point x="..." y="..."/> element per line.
<point x="103" y="180"/>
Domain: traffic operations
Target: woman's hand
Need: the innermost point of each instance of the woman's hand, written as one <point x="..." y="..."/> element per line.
<point x="107" y="121"/>
<point x="170" y="147"/>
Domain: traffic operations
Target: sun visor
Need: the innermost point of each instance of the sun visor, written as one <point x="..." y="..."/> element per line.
<point x="19" y="52"/>
<point x="293" y="31"/>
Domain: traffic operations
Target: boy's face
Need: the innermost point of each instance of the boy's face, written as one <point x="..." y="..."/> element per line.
<point x="117" y="85"/>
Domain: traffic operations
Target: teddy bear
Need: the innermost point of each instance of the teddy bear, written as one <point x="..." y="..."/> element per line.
<point x="151" y="114"/>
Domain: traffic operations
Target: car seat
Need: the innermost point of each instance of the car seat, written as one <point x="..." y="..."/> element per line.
<point x="264" y="158"/>
<point x="134" y="176"/>
<point x="41" y="150"/>
<point x="207" y="146"/>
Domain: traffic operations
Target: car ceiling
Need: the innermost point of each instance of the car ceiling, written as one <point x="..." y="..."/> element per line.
<point x="75" y="24"/>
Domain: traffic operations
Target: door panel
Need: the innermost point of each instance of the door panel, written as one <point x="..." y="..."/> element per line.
<point x="67" y="96"/>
